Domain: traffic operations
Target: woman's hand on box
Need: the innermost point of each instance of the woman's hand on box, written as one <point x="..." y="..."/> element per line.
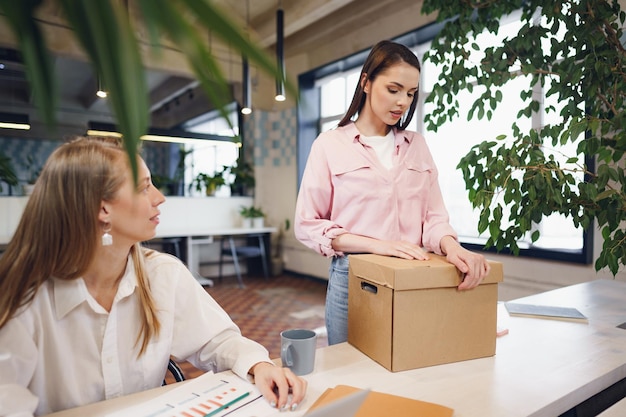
<point x="473" y="266"/>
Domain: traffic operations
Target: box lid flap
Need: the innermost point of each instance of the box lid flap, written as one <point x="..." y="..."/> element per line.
<point x="410" y="274"/>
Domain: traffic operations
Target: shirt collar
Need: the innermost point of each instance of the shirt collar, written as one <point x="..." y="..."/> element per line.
<point x="70" y="293"/>
<point x="399" y="135"/>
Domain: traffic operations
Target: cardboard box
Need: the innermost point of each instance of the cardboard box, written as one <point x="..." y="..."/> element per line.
<point x="408" y="314"/>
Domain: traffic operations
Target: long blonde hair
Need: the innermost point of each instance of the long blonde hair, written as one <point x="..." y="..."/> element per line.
<point x="59" y="229"/>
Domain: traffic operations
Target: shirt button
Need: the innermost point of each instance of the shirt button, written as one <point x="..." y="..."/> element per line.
<point x="109" y="360"/>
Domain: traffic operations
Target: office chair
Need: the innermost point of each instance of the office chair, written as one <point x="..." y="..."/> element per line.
<point x="245" y="251"/>
<point x="176" y="372"/>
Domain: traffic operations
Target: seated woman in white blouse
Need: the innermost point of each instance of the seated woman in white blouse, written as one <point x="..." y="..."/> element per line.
<point x="87" y="314"/>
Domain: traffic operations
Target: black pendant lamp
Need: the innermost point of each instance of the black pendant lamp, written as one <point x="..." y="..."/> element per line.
<point x="280" y="58"/>
<point x="101" y="92"/>
<point x="246" y="105"/>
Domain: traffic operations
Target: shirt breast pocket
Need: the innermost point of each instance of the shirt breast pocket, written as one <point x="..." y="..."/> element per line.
<point x="416" y="180"/>
<point x="355" y="181"/>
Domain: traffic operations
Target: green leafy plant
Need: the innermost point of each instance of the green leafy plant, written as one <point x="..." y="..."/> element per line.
<point x="7" y="172"/>
<point x="172" y="185"/>
<point x="33" y="169"/>
<point x="209" y="183"/>
<point x="251" y="212"/>
<point x="517" y="182"/>
<point x="280" y="237"/>
<point x="244" y="181"/>
<point x="162" y="182"/>
<point x="107" y="33"/>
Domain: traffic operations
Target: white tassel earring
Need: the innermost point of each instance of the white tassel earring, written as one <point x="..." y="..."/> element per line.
<point x="107" y="239"/>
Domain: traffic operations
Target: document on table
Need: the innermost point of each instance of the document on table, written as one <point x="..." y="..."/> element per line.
<point x="550" y="312"/>
<point x="208" y="395"/>
<point x="381" y="404"/>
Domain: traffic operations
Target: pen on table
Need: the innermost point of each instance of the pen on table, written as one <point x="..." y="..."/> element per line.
<point x="228" y="404"/>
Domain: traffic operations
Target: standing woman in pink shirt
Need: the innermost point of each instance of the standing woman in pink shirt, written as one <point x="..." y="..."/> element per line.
<point x="370" y="186"/>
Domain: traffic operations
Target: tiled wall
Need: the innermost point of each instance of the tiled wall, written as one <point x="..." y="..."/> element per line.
<point x="274" y="136"/>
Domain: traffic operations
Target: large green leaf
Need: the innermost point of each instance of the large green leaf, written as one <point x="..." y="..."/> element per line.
<point x="104" y="30"/>
<point x="39" y="69"/>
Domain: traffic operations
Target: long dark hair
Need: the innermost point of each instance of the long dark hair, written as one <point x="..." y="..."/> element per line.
<point x="383" y="55"/>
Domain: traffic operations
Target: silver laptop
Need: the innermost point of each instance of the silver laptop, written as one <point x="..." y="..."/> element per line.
<point x="342" y="407"/>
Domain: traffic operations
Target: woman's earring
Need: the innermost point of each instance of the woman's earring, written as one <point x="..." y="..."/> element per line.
<point x="107" y="239"/>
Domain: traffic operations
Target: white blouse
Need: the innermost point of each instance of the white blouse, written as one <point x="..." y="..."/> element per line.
<point x="64" y="350"/>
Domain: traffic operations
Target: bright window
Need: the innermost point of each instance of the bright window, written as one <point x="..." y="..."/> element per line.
<point x="210" y="156"/>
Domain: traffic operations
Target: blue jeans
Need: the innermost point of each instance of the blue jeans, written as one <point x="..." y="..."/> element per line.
<point x="337" y="301"/>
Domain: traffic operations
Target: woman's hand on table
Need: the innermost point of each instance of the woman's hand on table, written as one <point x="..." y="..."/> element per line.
<point x="280" y="386"/>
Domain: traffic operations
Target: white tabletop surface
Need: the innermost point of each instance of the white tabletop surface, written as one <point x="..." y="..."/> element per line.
<point x="543" y="367"/>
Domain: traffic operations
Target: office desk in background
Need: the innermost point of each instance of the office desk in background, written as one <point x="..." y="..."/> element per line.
<point x="542" y="368"/>
<point x="193" y="238"/>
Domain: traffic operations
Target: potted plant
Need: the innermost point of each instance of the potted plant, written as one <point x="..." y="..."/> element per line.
<point x="252" y="216"/>
<point x="177" y="184"/>
<point x="163" y="183"/>
<point x="277" y="259"/>
<point x="208" y="183"/>
<point x="174" y="185"/>
<point x="7" y="172"/>
<point x="244" y="182"/>
<point x="33" y="169"/>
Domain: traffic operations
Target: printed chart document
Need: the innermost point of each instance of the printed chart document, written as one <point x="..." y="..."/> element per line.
<point x="208" y="395"/>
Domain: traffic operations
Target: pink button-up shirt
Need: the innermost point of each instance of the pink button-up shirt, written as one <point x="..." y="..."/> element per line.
<point x="345" y="189"/>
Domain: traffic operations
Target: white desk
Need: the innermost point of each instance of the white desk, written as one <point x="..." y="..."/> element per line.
<point x="542" y="367"/>
<point x="202" y="236"/>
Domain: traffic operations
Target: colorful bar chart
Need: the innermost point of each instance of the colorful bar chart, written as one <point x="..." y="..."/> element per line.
<point x="205" y="396"/>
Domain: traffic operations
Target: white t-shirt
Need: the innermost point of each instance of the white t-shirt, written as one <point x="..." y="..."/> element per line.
<point x="65" y="350"/>
<point x="383" y="146"/>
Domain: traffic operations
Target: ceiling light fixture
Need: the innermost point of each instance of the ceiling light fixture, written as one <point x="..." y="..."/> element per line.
<point x="14" y="121"/>
<point x="280" y="58"/>
<point x="156" y="134"/>
<point x="101" y="91"/>
<point x="246" y="107"/>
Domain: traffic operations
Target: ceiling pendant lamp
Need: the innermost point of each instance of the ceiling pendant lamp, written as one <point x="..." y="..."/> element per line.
<point x="246" y="106"/>
<point x="280" y="58"/>
<point x="101" y="92"/>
